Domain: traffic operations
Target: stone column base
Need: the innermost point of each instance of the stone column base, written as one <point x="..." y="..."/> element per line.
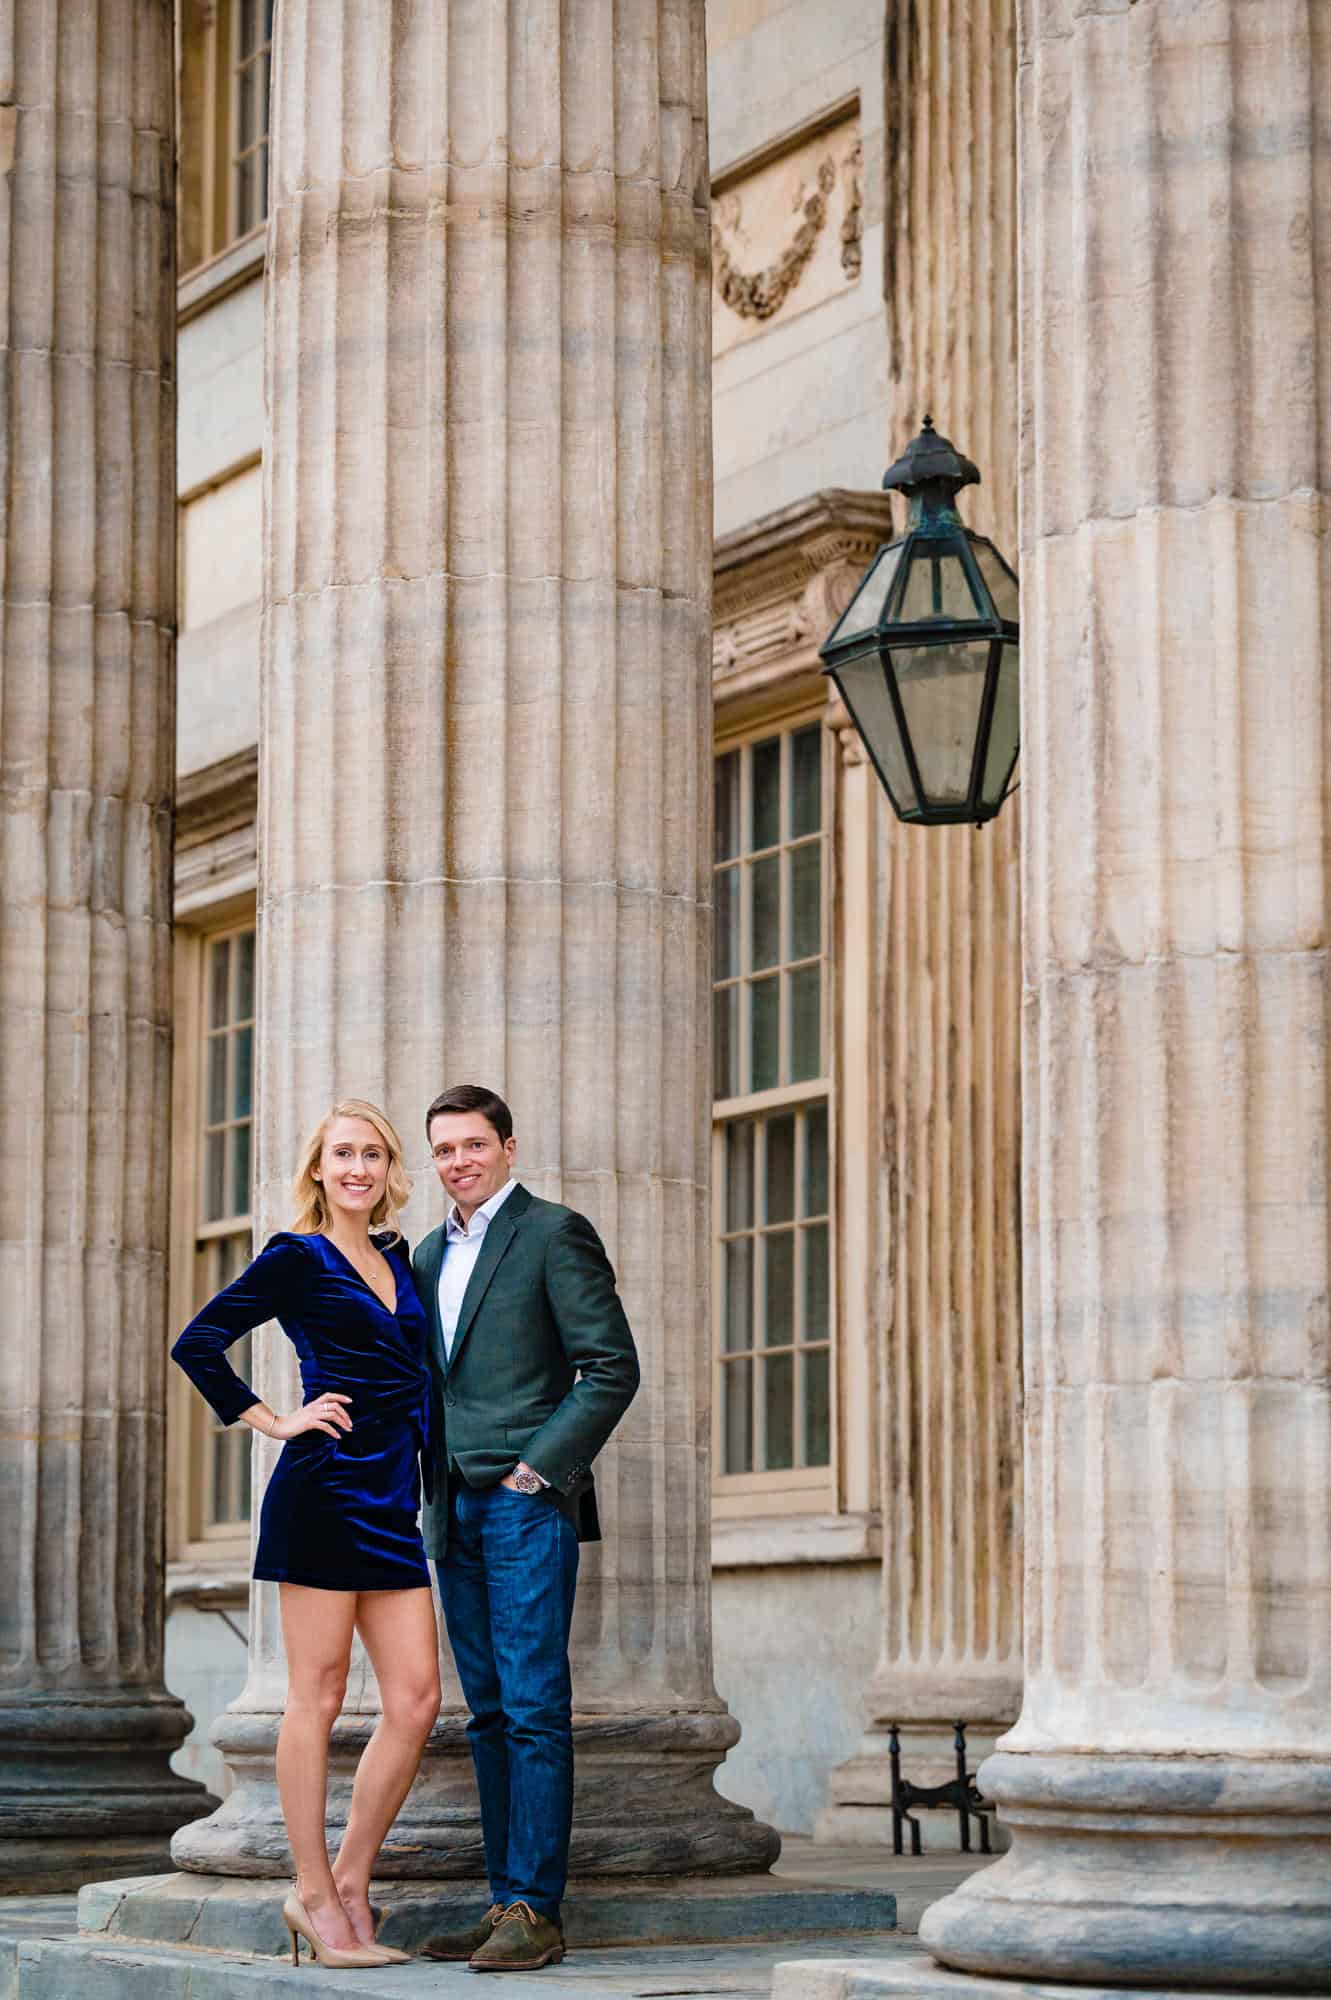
<point x="1206" y="1871"/>
<point x="915" y="1977"/>
<point x="860" y="1810"/>
<point x="86" y="1785"/>
<point x="645" y="1803"/>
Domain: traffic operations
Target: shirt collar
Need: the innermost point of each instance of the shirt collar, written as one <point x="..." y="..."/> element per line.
<point x="481" y="1220"/>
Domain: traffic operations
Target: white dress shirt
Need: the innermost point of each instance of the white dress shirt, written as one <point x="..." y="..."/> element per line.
<point x="462" y="1246"/>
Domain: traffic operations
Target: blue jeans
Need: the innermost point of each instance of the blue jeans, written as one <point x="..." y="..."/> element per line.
<point x="507" y="1586"/>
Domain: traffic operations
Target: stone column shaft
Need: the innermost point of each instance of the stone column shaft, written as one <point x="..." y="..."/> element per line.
<point x="485" y="768"/>
<point x="951" y="1306"/>
<point x="1169" y="1782"/>
<point x="87" y="569"/>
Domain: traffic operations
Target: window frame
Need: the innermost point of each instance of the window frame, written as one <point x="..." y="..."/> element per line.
<point x="192" y="1535"/>
<point x="209" y="123"/>
<point x="795" y="1489"/>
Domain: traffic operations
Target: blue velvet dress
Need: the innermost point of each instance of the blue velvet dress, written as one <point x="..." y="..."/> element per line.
<point x="339" y="1513"/>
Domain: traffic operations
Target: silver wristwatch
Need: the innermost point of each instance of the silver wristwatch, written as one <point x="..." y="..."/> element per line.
<point x="526" y="1480"/>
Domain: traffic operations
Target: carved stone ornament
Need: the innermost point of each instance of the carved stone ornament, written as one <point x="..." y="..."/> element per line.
<point x="759" y="294"/>
<point x="852" y="223"/>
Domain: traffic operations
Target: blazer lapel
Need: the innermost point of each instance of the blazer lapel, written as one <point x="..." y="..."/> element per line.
<point x="503" y="1228"/>
<point x="431" y="1254"/>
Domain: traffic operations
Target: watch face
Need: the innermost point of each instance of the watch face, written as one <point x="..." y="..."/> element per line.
<point x="526" y="1482"/>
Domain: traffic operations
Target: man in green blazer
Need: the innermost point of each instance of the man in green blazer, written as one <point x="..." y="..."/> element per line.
<point x="533" y="1366"/>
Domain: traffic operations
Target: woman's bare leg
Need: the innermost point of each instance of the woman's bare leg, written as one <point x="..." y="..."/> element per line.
<point x="317" y="1628"/>
<point x="399" y="1633"/>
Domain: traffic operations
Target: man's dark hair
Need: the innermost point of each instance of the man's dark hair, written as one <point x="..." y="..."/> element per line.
<point x="473" y="1097"/>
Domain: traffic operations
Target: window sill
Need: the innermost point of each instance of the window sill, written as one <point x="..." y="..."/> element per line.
<point x="227" y="272"/>
<point x="766" y="1541"/>
<point x="205" y="1581"/>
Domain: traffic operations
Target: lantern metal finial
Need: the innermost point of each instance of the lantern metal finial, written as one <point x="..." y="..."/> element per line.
<point x="931" y="472"/>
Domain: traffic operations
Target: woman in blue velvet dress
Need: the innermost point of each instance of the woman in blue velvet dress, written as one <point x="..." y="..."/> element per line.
<point x="339" y="1528"/>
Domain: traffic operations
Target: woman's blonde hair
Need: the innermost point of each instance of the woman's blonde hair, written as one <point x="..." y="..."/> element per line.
<point x="312" y="1211"/>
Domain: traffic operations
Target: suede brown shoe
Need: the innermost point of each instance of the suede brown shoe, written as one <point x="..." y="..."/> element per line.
<point x="520" y="1942"/>
<point x="459" y="1945"/>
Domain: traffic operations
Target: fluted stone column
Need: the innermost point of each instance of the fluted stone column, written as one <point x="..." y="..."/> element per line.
<point x="951" y="1374"/>
<point x="485" y="753"/>
<point x="1169" y="1782"/>
<point x="87" y="569"/>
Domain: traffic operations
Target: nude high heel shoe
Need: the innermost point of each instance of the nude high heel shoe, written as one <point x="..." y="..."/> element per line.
<point x="297" y="1920"/>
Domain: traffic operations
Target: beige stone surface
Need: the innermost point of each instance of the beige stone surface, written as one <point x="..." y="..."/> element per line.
<point x="484" y="768"/>
<point x="87" y="401"/>
<point x="948" y="1291"/>
<point x="1169" y="1781"/>
<point x="800" y="405"/>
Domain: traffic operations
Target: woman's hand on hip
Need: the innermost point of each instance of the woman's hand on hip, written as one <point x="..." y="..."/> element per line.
<point x="324" y="1413"/>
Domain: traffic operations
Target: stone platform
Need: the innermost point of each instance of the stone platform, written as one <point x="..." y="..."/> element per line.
<point x="903" y="1972"/>
<point x="97" y="1969"/>
<point x="224" y="1913"/>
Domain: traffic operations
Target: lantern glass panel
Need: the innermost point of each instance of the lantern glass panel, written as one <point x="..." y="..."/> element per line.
<point x="1002" y="584"/>
<point x="936" y="586"/>
<point x="941" y="689"/>
<point x="1005" y="731"/>
<point x="863" y="684"/>
<point x="866" y="607"/>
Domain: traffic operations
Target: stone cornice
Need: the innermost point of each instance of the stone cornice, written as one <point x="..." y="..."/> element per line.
<point x="216" y="831"/>
<point x="778" y="586"/>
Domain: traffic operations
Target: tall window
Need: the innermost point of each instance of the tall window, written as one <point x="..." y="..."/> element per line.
<point x="772" y="1178"/>
<point x="222" y="1241"/>
<point x="251" y="68"/>
<point x="226" y="54"/>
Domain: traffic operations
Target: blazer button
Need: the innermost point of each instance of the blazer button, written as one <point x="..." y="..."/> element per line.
<point x="450" y="1400"/>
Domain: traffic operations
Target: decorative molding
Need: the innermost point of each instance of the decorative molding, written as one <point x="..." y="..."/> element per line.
<point x="780" y="584"/>
<point x="207" y="284"/>
<point x="852" y="226"/>
<point x="217" y="832"/>
<point x="759" y="294"/>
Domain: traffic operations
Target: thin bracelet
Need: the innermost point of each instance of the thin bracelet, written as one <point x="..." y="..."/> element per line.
<point x="273" y="1426"/>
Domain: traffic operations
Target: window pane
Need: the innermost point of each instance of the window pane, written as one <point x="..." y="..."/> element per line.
<point x="240" y="1170"/>
<point x="815" y="1161"/>
<point x="219" y="1009"/>
<point x="806" y="781"/>
<point x="779" y="1412"/>
<point x="216" y="1079"/>
<point x="941" y="689"/>
<point x="780" y="1203"/>
<point x="726" y="795"/>
<point x="766" y="830"/>
<point x="243" y="1447"/>
<point x="249" y="26"/>
<point x="725" y="923"/>
<point x="243" y="1074"/>
<point x="815" y="1283"/>
<point x="765" y="894"/>
<point x="221" y="1498"/>
<point x="806" y="899"/>
<point x="764" y="1032"/>
<point x="737" y="1415"/>
<point x="245" y="976"/>
<point x="737" y="1328"/>
<point x="247" y="107"/>
<point x="817" y="1408"/>
<point x="739" y="1174"/>
<point x="779" y="1303"/>
<point x="214" y="1177"/>
<point x="806" y="1055"/>
<point x="261" y="177"/>
<point x="725" y="1042"/>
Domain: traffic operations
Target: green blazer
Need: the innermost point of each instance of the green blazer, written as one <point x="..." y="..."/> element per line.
<point x="543" y="1364"/>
